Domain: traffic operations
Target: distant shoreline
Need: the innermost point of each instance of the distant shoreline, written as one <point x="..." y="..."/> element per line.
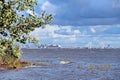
<point x="75" y="48"/>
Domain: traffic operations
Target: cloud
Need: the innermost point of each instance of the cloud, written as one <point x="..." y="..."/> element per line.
<point x="48" y="7"/>
<point x="84" y="12"/>
<point x="77" y="32"/>
<point x="92" y="30"/>
<point x="79" y="36"/>
<point x="116" y="4"/>
<point x="51" y="35"/>
<point x="72" y="39"/>
<point x="45" y="33"/>
<point x="113" y="30"/>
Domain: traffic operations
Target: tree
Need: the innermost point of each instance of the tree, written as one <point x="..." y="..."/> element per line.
<point x="15" y="28"/>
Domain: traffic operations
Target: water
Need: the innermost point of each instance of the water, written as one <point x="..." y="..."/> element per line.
<point x="83" y="64"/>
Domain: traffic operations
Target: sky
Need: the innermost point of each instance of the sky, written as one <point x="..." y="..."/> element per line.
<point x="80" y="23"/>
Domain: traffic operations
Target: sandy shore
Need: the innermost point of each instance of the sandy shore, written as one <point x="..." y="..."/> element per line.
<point x="67" y="64"/>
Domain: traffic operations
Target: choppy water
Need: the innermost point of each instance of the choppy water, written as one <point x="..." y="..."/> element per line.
<point x="67" y="64"/>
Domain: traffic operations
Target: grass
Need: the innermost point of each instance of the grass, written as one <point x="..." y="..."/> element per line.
<point x="9" y="62"/>
<point x="18" y="65"/>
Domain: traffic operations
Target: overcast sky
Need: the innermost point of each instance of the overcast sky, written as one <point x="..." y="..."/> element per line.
<point x="81" y="22"/>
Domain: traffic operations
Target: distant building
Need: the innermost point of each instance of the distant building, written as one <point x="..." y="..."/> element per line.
<point x="53" y="46"/>
<point x="50" y="46"/>
<point x="108" y="46"/>
<point x="42" y="46"/>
